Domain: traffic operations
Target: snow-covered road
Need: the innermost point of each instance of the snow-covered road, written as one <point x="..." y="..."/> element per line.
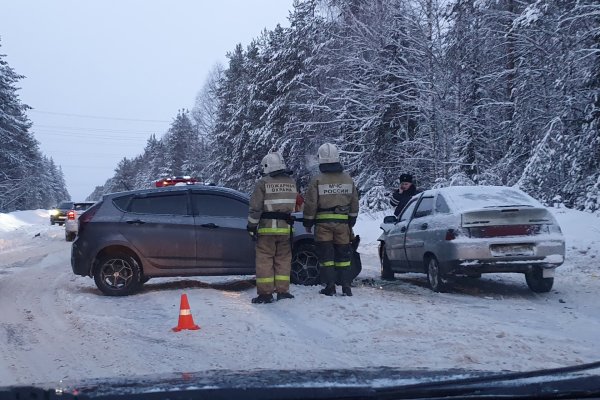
<point x="57" y="326"/>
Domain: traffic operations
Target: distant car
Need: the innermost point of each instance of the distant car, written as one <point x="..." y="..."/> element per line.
<point x="176" y="181"/>
<point x="58" y="214"/>
<point x="129" y="237"/>
<point x="71" y="223"/>
<point x="470" y="230"/>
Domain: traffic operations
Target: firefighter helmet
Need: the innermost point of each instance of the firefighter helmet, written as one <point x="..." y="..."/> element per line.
<point x="272" y="162"/>
<point x="328" y="154"/>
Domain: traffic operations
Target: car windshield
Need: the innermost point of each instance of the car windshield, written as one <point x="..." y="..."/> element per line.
<point x="193" y="196"/>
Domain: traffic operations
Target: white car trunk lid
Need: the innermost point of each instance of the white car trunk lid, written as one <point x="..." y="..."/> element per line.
<point x="506" y="221"/>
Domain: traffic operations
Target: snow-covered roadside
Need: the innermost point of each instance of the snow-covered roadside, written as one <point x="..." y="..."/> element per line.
<point x="56" y="326"/>
<point x="25" y="238"/>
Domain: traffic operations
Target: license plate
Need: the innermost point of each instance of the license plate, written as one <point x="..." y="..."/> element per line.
<point x="505" y="250"/>
<point x="548" y="273"/>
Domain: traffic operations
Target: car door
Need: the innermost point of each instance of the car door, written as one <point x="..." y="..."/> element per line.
<point x="161" y="228"/>
<point x="419" y="231"/>
<point x="395" y="238"/>
<point x="221" y="237"/>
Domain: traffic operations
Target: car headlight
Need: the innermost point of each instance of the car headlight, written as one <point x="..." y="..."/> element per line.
<point x="54" y="213"/>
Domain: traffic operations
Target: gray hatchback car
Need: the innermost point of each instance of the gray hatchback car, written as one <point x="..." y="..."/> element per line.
<point x="129" y="237"/>
<point x="470" y="230"/>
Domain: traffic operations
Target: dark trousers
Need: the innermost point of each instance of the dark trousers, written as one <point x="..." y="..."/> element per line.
<point x="334" y="252"/>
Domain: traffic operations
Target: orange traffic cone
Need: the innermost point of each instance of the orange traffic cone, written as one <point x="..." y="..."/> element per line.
<point x="185" y="316"/>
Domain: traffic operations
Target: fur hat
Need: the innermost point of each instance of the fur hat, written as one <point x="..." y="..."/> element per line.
<point x="406" y="178"/>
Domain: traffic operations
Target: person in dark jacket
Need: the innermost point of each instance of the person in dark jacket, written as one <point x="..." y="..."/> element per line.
<point x="403" y="194"/>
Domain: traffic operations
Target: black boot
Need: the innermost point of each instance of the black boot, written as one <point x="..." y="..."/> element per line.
<point x="263" y="299"/>
<point x="328" y="291"/>
<point x="287" y="295"/>
<point x="328" y="278"/>
<point x="346" y="291"/>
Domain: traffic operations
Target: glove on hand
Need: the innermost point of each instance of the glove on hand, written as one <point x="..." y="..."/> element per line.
<point x="308" y="224"/>
<point x="252" y="231"/>
<point x="351" y="221"/>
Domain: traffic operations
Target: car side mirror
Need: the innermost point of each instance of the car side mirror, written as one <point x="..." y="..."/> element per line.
<point x="390" y="219"/>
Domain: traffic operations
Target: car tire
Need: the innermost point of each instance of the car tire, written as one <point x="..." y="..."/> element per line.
<point x="118" y="275"/>
<point x="386" y="270"/>
<point x="536" y="281"/>
<point x="435" y="277"/>
<point x="305" y="265"/>
<point x="70" y="236"/>
<point x="51" y="222"/>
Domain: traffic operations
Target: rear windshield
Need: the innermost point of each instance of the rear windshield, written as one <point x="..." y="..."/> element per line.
<point x="463" y="198"/>
<point x="66" y="204"/>
<point x="82" y="206"/>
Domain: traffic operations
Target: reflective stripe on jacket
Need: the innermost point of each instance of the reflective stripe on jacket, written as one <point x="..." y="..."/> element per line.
<point x="272" y="194"/>
<point x="331" y="197"/>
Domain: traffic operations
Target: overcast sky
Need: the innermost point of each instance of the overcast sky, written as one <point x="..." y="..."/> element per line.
<point x="102" y="75"/>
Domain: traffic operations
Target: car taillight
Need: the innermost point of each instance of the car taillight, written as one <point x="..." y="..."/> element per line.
<point x="554" y="228"/>
<point x="504" y="230"/>
<point x="87" y="216"/>
<point x="454" y="233"/>
<point x="450" y="234"/>
<point x="71" y="215"/>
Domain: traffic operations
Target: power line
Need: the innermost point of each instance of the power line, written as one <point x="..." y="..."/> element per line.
<point x="84" y="134"/>
<point x="84" y="137"/>
<point x="81" y="166"/>
<point x="89" y="153"/>
<point x="99" y="117"/>
<point x="59" y="128"/>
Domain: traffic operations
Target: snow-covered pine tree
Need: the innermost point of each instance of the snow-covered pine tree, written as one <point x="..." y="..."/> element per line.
<point x="57" y="188"/>
<point x="204" y="112"/>
<point x="583" y="156"/>
<point x="292" y="78"/>
<point x="563" y="160"/>
<point x="378" y="90"/>
<point x="223" y="159"/>
<point x="22" y="165"/>
<point x="179" y="144"/>
<point x="476" y="52"/>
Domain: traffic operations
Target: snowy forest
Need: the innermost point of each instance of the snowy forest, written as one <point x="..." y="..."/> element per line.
<point x="502" y="92"/>
<point x="28" y="179"/>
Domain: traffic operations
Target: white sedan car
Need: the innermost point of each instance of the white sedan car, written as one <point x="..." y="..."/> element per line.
<point x="470" y="230"/>
<point x="72" y="222"/>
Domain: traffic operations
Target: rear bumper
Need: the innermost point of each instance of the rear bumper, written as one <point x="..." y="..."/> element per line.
<point x="480" y="257"/>
<point x="478" y="267"/>
<point x="79" y="260"/>
<point x="71" y="226"/>
<point x="482" y="249"/>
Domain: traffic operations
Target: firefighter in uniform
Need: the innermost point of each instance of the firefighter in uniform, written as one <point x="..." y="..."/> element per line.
<point x="270" y="224"/>
<point x="331" y="203"/>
